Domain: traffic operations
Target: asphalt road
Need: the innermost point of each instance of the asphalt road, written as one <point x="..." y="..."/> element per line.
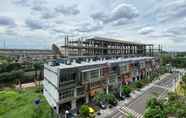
<point x="118" y="115"/>
<point x="168" y="82"/>
<point x="137" y="106"/>
<point x="159" y="89"/>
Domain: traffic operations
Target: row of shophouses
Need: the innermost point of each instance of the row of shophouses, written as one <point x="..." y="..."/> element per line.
<point x="67" y="86"/>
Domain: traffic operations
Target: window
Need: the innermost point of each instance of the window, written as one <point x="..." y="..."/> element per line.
<point x="123" y="68"/>
<point x="94" y="74"/>
<point x="69" y="92"/>
<point x="66" y="76"/>
<point x="80" y="91"/>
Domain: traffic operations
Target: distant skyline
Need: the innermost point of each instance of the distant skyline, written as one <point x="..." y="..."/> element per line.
<point x="39" y="23"/>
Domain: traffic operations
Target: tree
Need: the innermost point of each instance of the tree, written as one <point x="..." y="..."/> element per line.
<point x="152" y="102"/>
<point x="154" y="109"/>
<point x="12" y="77"/>
<point x="181" y="88"/>
<point x="126" y="90"/>
<point x="110" y="98"/>
<point x="38" y="66"/>
<point x="129" y="115"/>
<point x="100" y="97"/>
<point x="184" y="79"/>
<point x="155" y="112"/>
<point x="84" y="111"/>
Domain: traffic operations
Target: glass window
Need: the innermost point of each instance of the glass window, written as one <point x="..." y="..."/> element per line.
<point x="67" y="76"/>
<point x="69" y="92"/>
<point x="94" y="74"/>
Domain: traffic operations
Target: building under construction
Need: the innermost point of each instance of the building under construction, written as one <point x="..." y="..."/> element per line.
<point x="104" y="47"/>
<point x="93" y="65"/>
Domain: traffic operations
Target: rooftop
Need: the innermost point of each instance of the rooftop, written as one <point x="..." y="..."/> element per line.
<point x="110" y="61"/>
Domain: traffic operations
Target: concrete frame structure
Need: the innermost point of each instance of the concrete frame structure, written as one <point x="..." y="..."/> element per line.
<point x="99" y="46"/>
<point x="75" y="79"/>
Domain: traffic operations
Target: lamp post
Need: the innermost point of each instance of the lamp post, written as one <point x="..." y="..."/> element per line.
<point x="66" y="113"/>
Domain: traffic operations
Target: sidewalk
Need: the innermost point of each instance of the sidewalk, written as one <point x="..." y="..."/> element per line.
<point x="134" y="95"/>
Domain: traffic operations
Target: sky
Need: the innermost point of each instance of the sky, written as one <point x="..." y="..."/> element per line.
<point x="39" y="23"/>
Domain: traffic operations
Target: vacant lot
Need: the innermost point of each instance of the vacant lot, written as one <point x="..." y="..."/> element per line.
<point x="20" y="104"/>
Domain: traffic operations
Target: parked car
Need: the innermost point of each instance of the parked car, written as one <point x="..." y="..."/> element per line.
<point x="102" y="104"/>
<point x="123" y="97"/>
<point x="92" y="112"/>
<point x="70" y="114"/>
<point x="120" y="97"/>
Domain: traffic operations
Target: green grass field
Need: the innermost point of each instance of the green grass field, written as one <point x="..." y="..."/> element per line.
<point x="20" y="104"/>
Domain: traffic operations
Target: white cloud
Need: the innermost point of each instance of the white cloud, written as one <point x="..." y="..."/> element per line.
<point x="89" y="27"/>
<point x="146" y="30"/>
<point x="36" y="24"/>
<point x="67" y="10"/>
<point x="150" y="21"/>
<point x="125" y="11"/>
<point x="7" y="21"/>
<point x="121" y="14"/>
<point x="171" y="11"/>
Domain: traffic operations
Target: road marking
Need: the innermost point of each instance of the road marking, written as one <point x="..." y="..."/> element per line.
<point x="161" y="87"/>
<point x="125" y="110"/>
<point x="135" y="114"/>
<point x="122" y="112"/>
<point x="116" y="115"/>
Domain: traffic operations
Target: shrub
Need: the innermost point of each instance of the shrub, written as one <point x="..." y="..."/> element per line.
<point x="155" y="112"/>
<point x="84" y="111"/>
<point x="154" y="109"/>
<point x="138" y="84"/>
<point x="110" y="97"/>
<point x="126" y="90"/>
<point x="152" y="102"/>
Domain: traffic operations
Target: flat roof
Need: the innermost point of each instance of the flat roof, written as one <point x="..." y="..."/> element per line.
<point x="99" y="62"/>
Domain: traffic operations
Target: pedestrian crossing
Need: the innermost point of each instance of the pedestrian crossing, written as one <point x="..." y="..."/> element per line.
<point x="134" y="114"/>
<point x="166" y="88"/>
<point x="118" y="115"/>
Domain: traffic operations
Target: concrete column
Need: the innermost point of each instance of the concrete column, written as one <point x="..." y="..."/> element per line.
<point x="73" y="104"/>
<point x="120" y="91"/>
<point x="107" y="88"/>
<point x="140" y="76"/>
<point x="87" y="98"/>
<point x="136" y="79"/>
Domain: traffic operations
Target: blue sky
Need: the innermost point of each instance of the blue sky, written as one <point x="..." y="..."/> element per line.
<point x="39" y="23"/>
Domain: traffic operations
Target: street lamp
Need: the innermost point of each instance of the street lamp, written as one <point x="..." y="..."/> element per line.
<point x="66" y="113"/>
